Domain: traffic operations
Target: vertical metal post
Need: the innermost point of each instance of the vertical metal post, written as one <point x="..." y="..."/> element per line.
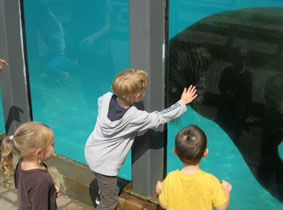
<point x="14" y="78"/>
<point x="147" y="52"/>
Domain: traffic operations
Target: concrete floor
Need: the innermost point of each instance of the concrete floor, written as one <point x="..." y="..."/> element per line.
<point x="9" y="199"/>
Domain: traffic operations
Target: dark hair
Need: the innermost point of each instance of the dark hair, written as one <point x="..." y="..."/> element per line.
<point x="190" y="144"/>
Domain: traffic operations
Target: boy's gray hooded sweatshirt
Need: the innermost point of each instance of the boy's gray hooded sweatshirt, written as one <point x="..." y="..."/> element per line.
<point x="108" y="145"/>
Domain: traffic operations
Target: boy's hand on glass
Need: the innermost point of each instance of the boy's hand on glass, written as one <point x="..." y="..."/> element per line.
<point x="189" y="94"/>
<point x="1" y="63"/>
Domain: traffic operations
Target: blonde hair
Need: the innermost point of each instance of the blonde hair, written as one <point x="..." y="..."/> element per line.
<point x="129" y="82"/>
<point x="28" y="137"/>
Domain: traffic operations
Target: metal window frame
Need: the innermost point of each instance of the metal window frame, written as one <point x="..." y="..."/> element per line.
<point x="14" y="78"/>
<point x="148" y="43"/>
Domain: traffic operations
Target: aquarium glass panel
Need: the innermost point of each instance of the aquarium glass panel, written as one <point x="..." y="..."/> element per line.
<point x="233" y="52"/>
<point x="75" y="48"/>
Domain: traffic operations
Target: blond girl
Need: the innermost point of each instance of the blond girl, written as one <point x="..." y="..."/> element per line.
<point x="35" y="143"/>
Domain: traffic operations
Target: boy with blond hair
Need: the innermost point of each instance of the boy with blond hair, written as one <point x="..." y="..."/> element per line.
<point x="117" y="124"/>
<point x="191" y="188"/>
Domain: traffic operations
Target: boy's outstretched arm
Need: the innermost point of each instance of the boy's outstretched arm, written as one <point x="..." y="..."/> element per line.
<point x="227" y="187"/>
<point x="189" y="94"/>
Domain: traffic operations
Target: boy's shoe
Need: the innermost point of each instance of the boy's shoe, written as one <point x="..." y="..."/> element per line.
<point x="117" y="190"/>
<point x="97" y="199"/>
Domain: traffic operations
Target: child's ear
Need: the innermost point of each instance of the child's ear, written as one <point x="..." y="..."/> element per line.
<point x="137" y="96"/>
<point x="205" y="152"/>
<point x="174" y="150"/>
<point x="38" y="153"/>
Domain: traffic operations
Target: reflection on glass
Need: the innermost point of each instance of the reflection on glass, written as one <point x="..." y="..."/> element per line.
<point x="235" y="60"/>
<point x="75" y="48"/>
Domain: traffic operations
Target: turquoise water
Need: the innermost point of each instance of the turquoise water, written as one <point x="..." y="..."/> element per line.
<point x="195" y="10"/>
<point x="73" y="56"/>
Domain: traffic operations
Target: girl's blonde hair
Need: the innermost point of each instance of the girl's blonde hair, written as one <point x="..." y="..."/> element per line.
<point x="28" y="137"/>
<point x="129" y="82"/>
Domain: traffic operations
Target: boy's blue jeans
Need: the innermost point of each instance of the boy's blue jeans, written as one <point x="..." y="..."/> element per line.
<point x="108" y="193"/>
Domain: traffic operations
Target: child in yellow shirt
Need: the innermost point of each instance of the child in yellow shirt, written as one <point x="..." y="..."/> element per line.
<point x="191" y="188"/>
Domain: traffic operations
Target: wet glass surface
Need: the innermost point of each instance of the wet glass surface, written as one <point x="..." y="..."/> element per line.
<point x="233" y="54"/>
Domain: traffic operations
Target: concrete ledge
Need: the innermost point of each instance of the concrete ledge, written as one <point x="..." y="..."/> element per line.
<point x="71" y="177"/>
<point x="78" y="181"/>
<point x="75" y="179"/>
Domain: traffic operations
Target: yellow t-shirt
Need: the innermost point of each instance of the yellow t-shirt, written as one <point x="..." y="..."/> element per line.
<point x="196" y="191"/>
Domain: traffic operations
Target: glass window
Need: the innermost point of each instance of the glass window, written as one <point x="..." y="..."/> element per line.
<point x="232" y="51"/>
<point x="75" y="48"/>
